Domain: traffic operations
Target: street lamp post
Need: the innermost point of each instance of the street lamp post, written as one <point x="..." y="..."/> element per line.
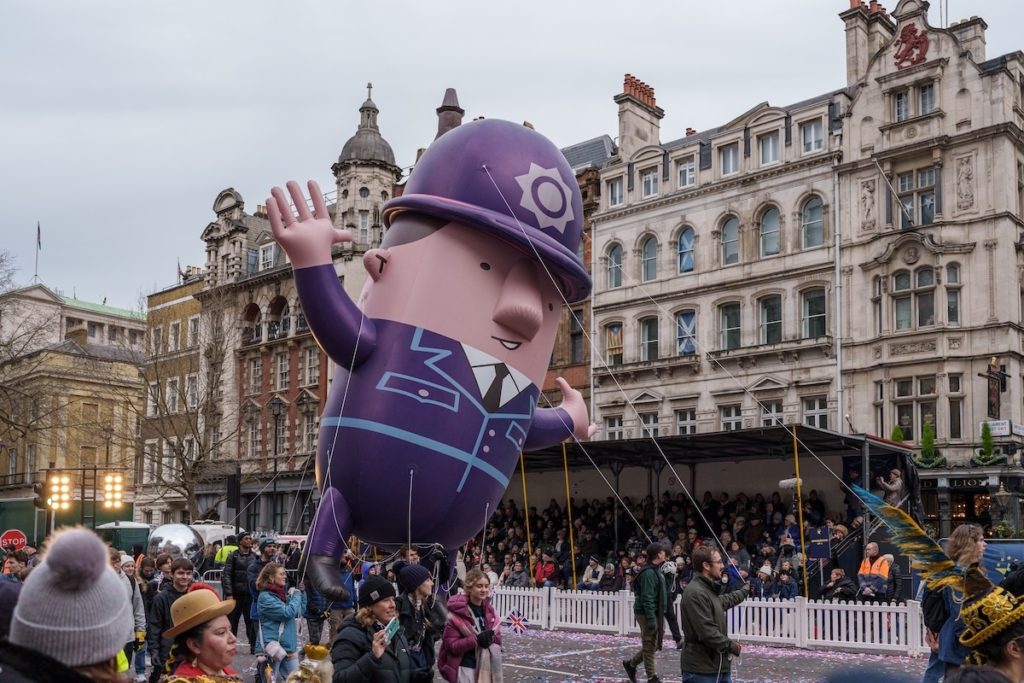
<point x="108" y="432"/>
<point x="1001" y="499"/>
<point x="275" y="409"/>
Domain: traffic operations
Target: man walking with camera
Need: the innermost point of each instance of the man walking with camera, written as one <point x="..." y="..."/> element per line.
<point x="707" y="650"/>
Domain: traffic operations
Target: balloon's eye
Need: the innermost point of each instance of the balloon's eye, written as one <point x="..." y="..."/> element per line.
<point x="551" y="307"/>
<point x="485" y="266"/>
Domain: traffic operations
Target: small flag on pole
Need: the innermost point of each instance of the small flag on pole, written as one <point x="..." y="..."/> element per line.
<point x="517" y="622"/>
<point x="39" y="236"/>
<point x="181" y="274"/>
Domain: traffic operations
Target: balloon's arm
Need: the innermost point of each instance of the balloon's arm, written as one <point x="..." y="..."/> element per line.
<point x="341" y="329"/>
<point x="554" y="425"/>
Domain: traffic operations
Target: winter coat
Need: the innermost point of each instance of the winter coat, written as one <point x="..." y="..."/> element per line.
<point x="545" y="571"/>
<point x="349" y="579"/>
<point x="894" y="586"/>
<point x="652" y="593"/>
<point x="520" y="579"/>
<point x="893" y="491"/>
<point x="234" y="578"/>
<point x="135" y="597"/>
<point x="611" y="582"/>
<point x="455" y="643"/>
<point x="785" y="590"/>
<point x="316" y="604"/>
<point x="251" y="574"/>
<point x="354" y="662"/>
<point x="160" y="621"/>
<point x="742" y="558"/>
<point x="277" y="618"/>
<point x="707" y="648"/>
<point x="592" y="575"/>
<point x="951" y="651"/>
<point x="421" y="637"/>
<point x="23" y="665"/>
<point x="843" y="590"/>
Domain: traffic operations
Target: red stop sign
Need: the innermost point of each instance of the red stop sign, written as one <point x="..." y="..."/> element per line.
<point x="13" y="537"/>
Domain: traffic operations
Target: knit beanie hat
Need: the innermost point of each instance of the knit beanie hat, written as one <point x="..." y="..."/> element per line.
<point x="411" y="577"/>
<point x="74" y="607"/>
<point x="373" y="590"/>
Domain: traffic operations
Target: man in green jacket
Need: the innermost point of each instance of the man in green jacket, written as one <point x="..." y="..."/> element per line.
<point x="707" y="650"/>
<point x="650" y="606"/>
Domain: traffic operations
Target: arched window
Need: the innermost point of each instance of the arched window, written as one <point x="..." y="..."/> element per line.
<point x="812" y="225"/>
<point x="686" y="251"/>
<point x="731" y="241"/>
<point x="649" y="261"/>
<point x="613" y="343"/>
<point x="615" y="267"/>
<point x="770" y="232"/>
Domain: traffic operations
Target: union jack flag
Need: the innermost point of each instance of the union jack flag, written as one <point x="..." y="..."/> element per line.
<point x="517" y="622"/>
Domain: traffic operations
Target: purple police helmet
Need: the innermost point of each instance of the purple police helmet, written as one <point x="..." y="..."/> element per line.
<point x="509" y="181"/>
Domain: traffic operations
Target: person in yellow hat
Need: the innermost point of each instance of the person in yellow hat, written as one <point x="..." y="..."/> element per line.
<point x="204" y="645"/>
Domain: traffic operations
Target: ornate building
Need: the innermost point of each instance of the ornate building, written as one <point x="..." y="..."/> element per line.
<point x="717" y="274"/>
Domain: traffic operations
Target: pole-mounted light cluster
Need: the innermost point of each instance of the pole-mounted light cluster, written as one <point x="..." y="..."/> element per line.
<point x="113" y="491"/>
<point x="59" y="491"/>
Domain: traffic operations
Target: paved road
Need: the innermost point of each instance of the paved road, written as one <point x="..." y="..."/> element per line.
<point x="565" y="656"/>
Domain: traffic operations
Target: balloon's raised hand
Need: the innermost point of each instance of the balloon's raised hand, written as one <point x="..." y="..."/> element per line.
<point x="572" y="403"/>
<point x="307" y="239"/>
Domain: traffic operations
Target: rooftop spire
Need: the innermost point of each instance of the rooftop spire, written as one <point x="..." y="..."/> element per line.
<point x="449" y="114"/>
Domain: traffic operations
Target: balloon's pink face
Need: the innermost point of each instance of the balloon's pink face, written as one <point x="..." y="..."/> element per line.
<point x="470" y="287"/>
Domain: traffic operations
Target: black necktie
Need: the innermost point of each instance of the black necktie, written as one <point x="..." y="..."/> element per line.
<point x="492" y="398"/>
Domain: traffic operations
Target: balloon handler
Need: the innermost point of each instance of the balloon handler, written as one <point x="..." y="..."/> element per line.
<point x="439" y="363"/>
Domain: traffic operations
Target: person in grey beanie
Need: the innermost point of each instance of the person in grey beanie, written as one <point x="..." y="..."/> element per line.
<point x="73" y="616"/>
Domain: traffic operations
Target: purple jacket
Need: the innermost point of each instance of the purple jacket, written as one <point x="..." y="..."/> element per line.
<point x="412" y="403"/>
<point x="460" y="634"/>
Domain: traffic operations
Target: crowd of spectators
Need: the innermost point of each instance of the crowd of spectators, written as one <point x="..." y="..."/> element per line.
<point x="761" y="537"/>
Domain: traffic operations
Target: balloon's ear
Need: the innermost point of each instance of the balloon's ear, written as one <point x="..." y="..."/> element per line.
<point x="375" y="261"/>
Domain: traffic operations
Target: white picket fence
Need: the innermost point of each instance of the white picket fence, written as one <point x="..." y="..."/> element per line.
<point x="800" y="622"/>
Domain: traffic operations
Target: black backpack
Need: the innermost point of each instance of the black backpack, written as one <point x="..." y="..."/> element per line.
<point x="636" y="579"/>
<point x="933" y="609"/>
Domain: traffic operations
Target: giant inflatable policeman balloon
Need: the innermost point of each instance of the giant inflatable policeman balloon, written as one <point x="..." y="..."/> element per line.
<point x="440" y="362"/>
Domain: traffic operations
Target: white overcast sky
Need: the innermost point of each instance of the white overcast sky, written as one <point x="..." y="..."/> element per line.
<point x="121" y="121"/>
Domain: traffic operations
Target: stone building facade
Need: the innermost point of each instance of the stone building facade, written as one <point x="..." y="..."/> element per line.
<point x="716" y="276"/>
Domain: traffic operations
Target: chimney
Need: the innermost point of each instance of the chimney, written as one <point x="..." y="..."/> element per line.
<point x="857" y="53"/>
<point x="449" y="114"/>
<point x="690" y="131"/>
<point x="78" y="334"/>
<point x="639" y="116"/>
<point x="971" y="34"/>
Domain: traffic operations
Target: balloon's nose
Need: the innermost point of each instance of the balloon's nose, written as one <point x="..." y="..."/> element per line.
<point x="519" y="304"/>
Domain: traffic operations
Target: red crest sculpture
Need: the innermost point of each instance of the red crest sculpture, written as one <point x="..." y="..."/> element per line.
<point x="911" y="47"/>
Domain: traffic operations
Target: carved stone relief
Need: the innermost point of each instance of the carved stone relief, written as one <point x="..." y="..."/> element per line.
<point x="911" y="255"/>
<point x="964" y="183"/>
<point x="928" y="345"/>
<point x="955" y="343"/>
<point x="867" y="204"/>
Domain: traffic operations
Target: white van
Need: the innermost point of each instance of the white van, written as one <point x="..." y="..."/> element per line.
<point x="213" y="532"/>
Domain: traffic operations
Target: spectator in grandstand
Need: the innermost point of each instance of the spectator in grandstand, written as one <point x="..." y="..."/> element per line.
<point x="545" y="574"/>
<point x="894" y="583"/>
<point x="840" y="587"/>
<point x="786" y="588"/>
<point x="761" y="583"/>
<point x="611" y="580"/>
<point x="519" y="577"/>
<point x="592" y="575"/>
<point x="873" y="575"/>
<point x="817" y="505"/>
<point x="738" y="555"/>
<point x="754" y="533"/>
<point x="789" y="530"/>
